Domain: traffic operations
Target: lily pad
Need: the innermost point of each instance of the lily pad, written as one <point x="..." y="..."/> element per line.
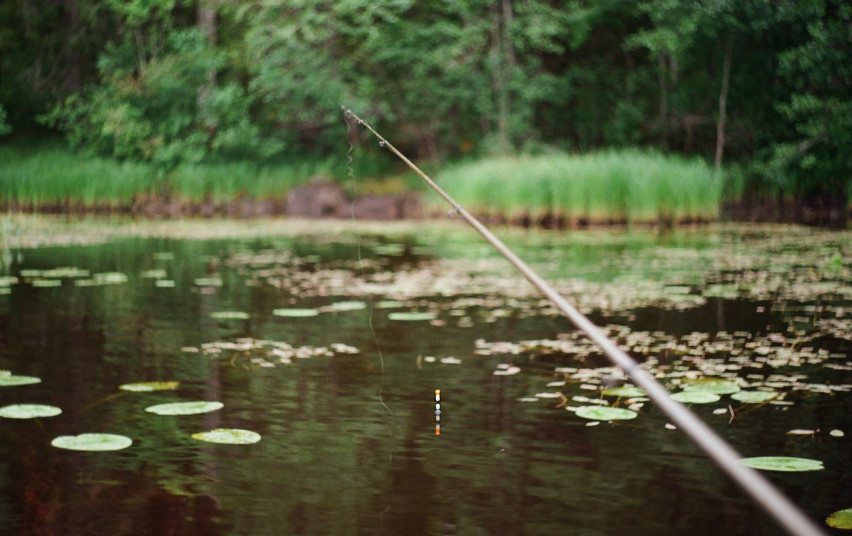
<point x="754" y="397"/>
<point x="696" y="397"/>
<point x="412" y="316"/>
<point x="719" y="387"/>
<point x="47" y="283"/>
<point x="92" y="442"/>
<point x="841" y="519"/>
<point x="626" y="391"/>
<point x="603" y="413"/>
<point x="228" y="436"/>
<point x="29" y="411"/>
<point x="185" y="408"/>
<point x="295" y="313"/>
<point x="149" y="386"/>
<point x="12" y="380"/>
<point x="782" y="463"/>
<point x="230" y="315"/>
<point x="348" y="306"/>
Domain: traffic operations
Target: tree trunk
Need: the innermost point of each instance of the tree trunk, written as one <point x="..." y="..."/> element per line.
<point x="503" y="57"/>
<point x="663" y="118"/>
<point x="723" y="101"/>
<point x="72" y="58"/>
<point x="207" y="27"/>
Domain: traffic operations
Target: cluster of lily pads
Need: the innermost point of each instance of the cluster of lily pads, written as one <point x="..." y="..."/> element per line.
<point x="699" y="368"/>
<point x="107" y="442"/>
<point x="253" y="353"/>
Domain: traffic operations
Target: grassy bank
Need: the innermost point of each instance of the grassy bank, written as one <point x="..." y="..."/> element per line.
<point x="48" y="174"/>
<point x="614" y="186"/>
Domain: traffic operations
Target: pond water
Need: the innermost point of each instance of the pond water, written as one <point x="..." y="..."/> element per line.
<point x="303" y="332"/>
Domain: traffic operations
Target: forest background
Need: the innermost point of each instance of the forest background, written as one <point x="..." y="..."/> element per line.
<point x="759" y="88"/>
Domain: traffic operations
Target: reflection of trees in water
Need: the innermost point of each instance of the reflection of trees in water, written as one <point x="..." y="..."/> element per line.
<point x="57" y="493"/>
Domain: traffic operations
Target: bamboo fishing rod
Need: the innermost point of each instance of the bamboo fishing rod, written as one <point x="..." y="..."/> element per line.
<point x="761" y="490"/>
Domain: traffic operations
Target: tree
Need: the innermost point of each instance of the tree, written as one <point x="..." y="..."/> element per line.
<point x="155" y="98"/>
<point x="816" y="153"/>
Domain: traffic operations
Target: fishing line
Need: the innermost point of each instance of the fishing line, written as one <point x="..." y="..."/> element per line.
<point x="350" y="119"/>
<point x="758" y="487"/>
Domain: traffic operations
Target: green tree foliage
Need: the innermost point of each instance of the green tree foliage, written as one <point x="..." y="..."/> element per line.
<point x="763" y="82"/>
<point x="155" y="100"/>
<point x="815" y="154"/>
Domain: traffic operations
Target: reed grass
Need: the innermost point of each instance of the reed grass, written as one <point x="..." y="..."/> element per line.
<point x="616" y="185"/>
<point x="51" y="173"/>
<point x="43" y="174"/>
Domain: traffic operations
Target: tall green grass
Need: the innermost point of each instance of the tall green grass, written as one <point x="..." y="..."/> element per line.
<point x="49" y="173"/>
<point x="52" y="174"/>
<point x="616" y="185"/>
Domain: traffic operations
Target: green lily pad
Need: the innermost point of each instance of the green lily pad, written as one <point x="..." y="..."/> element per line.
<point x="719" y="387"/>
<point x="412" y="316"/>
<point x="47" y="283"/>
<point x="604" y="413"/>
<point x="754" y="397"/>
<point x="348" y="306"/>
<point x="12" y="380"/>
<point x="388" y="304"/>
<point x="696" y="397"/>
<point x="149" y="386"/>
<point x="782" y="463"/>
<point x="92" y="442"/>
<point x="230" y="315"/>
<point x="228" y="436"/>
<point x="625" y="391"/>
<point x="841" y="519"/>
<point x="185" y="408"/>
<point x="295" y="313"/>
<point x="208" y="282"/>
<point x="29" y="411"/>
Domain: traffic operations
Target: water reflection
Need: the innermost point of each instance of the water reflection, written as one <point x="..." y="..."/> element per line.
<point x="349" y="440"/>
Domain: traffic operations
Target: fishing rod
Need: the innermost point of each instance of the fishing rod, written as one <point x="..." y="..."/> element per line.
<point x="775" y="503"/>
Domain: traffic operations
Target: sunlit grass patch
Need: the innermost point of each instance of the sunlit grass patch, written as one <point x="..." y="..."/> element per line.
<point x="624" y="185"/>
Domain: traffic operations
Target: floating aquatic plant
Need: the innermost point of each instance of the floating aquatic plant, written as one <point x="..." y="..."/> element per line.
<point x="295" y="313"/>
<point x="230" y="315"/>
<point x="149" y="386"/>
<point x="605" y="413"/>
<point x="625" y="391"/>
<point x="696" y="397"/>
<point x="841" y="519"/>
<point x="8" y="379"/>
<point x="185" y="408"/>
<point x="782" y="463"/>
<point x="208" y="282"/>
<point x="29" y="411"/>
<point x="348" y="306"/>
<point x="46" y="283"/>
<point x="412" y="316"/>
<point x="712" y="385"/>
<point x="92" y="442"/>
<point x="754" y="397"/>
<point x="228" y="436"/>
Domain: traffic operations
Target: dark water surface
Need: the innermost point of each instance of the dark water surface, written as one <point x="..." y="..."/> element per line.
<point x="349" y="443"/>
